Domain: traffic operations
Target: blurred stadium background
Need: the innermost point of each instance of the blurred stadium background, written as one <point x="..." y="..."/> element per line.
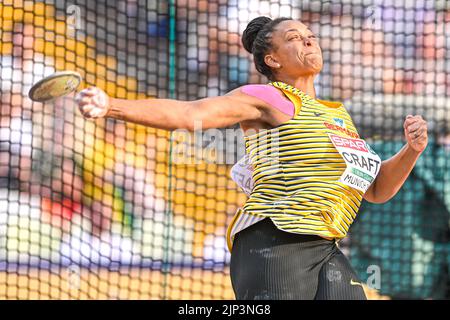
<point x="100" y="209"/>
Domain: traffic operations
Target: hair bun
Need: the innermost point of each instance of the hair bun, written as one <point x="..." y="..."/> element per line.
<point x="249" y="35"/>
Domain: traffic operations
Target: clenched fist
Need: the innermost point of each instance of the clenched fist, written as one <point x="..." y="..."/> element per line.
<point x="416" y="132"/>
<point x="92" y="102"/>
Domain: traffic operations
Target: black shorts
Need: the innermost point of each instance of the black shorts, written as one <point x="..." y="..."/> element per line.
<point x="270" y="264"/>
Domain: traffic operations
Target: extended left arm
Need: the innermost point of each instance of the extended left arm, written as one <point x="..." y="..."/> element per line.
<point x="394" y="171"/>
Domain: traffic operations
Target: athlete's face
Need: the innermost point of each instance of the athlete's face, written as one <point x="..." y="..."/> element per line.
<point x="296" y="51"/>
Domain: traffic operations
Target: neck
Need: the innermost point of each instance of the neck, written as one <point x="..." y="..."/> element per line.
<point x="304" y="83"/>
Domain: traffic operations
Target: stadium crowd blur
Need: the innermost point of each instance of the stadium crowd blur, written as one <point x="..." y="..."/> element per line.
<point x="104" y="184"/>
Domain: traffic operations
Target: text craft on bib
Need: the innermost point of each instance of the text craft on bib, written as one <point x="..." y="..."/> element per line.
<point x="363" y="164"/>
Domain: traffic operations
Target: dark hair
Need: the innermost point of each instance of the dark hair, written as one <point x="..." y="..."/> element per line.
<point x="257" y="40"/>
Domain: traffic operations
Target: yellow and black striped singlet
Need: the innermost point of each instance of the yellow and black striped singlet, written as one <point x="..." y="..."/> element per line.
<point x="296" y="169"/>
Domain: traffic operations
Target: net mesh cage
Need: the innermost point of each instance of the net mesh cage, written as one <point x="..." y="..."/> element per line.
<point x="107" y="209"/>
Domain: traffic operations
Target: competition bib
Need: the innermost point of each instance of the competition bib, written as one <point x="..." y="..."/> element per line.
<point x="241" y="173"/>
<point x="363" y="164"/>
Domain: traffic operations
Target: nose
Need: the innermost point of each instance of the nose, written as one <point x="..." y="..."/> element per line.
<point x="307" y="42"/>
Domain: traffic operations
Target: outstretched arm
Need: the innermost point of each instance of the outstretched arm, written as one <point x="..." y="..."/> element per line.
<point x="169" y="114"/>
<point x="394" y="171"/>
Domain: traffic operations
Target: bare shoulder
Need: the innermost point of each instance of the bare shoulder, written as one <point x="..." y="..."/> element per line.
<point x="248" y="89"/>
<point x="251" y="94"/>
<point x="274" y="106"/>
<point x="260" y="97"/>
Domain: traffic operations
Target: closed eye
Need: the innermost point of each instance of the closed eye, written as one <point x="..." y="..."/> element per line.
<point x="295" y="37"/>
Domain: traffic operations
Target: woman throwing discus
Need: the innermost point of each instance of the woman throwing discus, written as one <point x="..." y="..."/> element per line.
<point x="310" y="169"/>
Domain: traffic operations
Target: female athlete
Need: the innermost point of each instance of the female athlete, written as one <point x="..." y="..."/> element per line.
<point x="310" y="168"/>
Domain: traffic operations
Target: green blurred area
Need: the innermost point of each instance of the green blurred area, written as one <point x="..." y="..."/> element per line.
<point x="408" y="237"/>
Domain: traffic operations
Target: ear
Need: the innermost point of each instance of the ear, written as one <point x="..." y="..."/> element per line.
<point x="272" y="62"/>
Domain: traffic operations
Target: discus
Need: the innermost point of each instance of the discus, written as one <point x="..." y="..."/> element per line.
<point x="54" y="86"/>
